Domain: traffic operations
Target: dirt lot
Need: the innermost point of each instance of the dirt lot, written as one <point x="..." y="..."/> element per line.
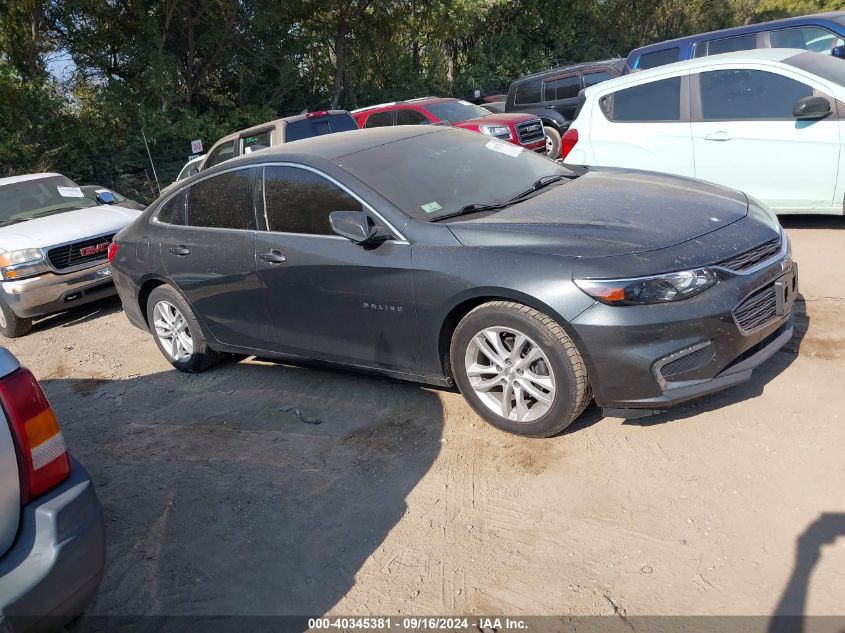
<point x="223" y="497"/>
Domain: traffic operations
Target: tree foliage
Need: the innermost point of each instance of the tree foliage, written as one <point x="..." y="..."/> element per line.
<point x="177" y="70"/>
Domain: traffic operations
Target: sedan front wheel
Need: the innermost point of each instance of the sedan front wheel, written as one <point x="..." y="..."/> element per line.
<point x="518" y="369"/>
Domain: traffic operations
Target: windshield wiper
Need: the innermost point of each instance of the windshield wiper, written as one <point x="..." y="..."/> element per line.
<point x="475" y="207"/>
<point x="540" y="183"/>
<point x="14" y="221"/>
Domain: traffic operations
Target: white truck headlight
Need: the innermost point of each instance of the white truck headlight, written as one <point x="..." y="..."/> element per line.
<point x="22" y="263"/>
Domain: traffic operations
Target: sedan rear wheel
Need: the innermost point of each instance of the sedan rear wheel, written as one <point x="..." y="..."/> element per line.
<point x="177" y="332"/>
<point x="518" y="369"/>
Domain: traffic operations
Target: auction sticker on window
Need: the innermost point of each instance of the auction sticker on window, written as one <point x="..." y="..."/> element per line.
<point x="509" y="149"/>
<point x="70" y="192"/>
<point x="431" y="207"/>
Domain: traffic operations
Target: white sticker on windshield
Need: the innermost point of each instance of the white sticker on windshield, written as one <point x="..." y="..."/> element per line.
<point x="70" y="192"/>
<point x="509" y="149"/>
<point x="431" y="207"/>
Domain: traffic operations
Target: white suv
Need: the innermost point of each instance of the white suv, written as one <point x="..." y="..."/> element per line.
<point x="53" y="247"/>
<point x="768" y="122"/>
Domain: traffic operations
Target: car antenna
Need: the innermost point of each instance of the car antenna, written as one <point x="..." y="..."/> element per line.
<point x="152" y="164"/>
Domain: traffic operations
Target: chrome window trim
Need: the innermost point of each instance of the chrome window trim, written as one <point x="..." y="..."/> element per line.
<point x="396" y="232"/>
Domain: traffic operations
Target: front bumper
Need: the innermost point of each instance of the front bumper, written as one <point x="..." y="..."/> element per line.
<point x="51" y="292"/>
<point x="629" y="349"/>
<point x="56" y="563"/>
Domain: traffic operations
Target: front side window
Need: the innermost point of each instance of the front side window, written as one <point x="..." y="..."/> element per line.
<point x="379" y="119"/>
<point x="591" y="79"/>
<point x="732" y="44"/>
<point x="217" y="156"/>
<point x="655" y="101"/>
<point x="529" y="92"/>
<point x="406" y="116"/>
<point x="749" y="94"/>
<point x="562" y="88"/>
<point x="222" y="202"/>
<point x="300" y="201"/>
<point x="659" y="58"/>
<point x="257" y="141"/>
<point x="811" y="38"/>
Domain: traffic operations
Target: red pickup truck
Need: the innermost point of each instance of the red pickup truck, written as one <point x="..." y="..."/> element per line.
<point x="520" y="129"/>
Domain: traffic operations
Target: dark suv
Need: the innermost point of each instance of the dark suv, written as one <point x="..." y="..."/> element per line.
<point x="553" y="95"/>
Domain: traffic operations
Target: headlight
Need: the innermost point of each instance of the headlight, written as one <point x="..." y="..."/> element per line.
<point x="17" y="264"/>
<point x="645" y="290"/>
<point x="498" y="131"/>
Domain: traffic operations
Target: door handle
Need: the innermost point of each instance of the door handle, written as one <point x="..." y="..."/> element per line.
<point x="718" y="136"/>
<point x="274" y="257"/>
<point x="180" y="251"/>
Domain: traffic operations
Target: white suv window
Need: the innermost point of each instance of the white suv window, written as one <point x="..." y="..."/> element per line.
<point x="729" y="95"/>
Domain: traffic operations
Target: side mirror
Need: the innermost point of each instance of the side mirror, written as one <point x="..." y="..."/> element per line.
<point x="104" y="196"/>
<point x="353" y="225"/>
<point x="811" y="108"/>
<point x="838" y="51"/>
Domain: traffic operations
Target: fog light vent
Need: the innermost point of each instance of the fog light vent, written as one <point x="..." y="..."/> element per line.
<point x="688" y="362"/>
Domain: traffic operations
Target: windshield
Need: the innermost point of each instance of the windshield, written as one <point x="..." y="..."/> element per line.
<point x="433" y="175"/>
<point x="824" y="66"/>
<point x="456" y="111"/>
<point x="22" y="201"/>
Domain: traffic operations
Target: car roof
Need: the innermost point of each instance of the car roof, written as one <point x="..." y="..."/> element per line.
<point x="327" y="146"/>
<point x="615" y="61"/>
<point x="753" y="55"/>
<point x="278" y="122"/>
<point x="418" y="101"/>
<point x="817" y="18"/>
<point x="11" y="180"/>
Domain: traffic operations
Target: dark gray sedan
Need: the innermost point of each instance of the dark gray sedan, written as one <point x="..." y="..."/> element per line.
<point x="445" y="257"/>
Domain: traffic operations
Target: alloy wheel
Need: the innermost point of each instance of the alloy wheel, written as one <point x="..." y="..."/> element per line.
<point x="510" y="374"/>
<point x="172" y="331"/>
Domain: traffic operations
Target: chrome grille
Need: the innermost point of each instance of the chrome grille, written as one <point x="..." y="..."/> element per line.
<point x="70" y="255"/>
<point x="758" y="309"/>
<point x="530" y="131"/>
<point x="750" y="258"/>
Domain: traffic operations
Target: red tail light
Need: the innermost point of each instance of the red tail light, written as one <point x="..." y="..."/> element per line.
<point x="570" y="138"/>
<point x="311" y="115"/>
<point x="112" y="251"/>
<point x="43" y="461"/>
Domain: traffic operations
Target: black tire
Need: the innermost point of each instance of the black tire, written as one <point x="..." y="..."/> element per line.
<point x="202" y="356"/>
<point x="11" y="325"/>
<point x="572" y="391"/>
<point x="553" y="142"/>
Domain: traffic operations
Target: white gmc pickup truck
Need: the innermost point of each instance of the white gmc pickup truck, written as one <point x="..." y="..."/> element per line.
<point x="53" y="247"/>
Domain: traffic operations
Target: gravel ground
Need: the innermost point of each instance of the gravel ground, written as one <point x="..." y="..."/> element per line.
<point x="224" y="496"/>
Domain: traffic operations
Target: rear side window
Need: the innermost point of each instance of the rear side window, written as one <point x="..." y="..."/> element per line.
<point x="255" y="142"/>
<point x="300" y="201"/>
<point x="749" y="94"/>
<point x="222" y="202"/>
<point x="173" y="211"/>
<point x="659" y="58"/>
<point x="811" y="38"/>
<point x="379" y="119"/>
<point x="318" y="126"/>
<point x="563" y="88"/>
<point x="655" y="101"/>
<point x="591" y="79"/>
<point x="529" y="92"/>
<point x="410" y="117"/>
<point x="732" y="44"/>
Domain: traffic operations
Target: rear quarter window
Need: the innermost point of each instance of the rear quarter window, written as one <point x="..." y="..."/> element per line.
<point x="173" y="211"/>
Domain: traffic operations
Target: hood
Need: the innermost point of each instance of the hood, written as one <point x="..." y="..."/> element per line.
<point x="605" y="213"/>
<point x="497" y="119"/>
<point x="69" y="226"/>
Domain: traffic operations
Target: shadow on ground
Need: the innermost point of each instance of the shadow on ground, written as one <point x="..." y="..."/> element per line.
<point x="252" y="489"/>
<point x="79" y="314"/>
